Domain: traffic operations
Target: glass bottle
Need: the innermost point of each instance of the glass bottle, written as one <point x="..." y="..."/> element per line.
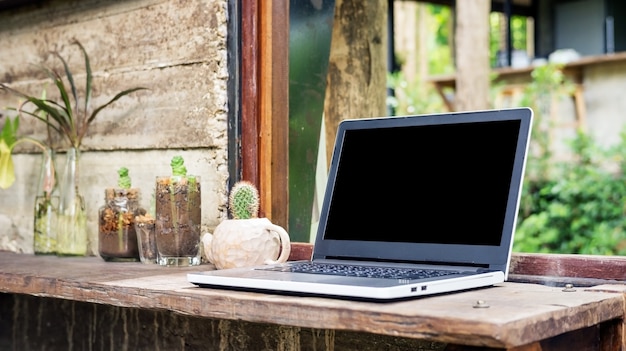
<point x="46" y="202"/>
<point x="117" y="238"/>
<point x="71" y="220"/>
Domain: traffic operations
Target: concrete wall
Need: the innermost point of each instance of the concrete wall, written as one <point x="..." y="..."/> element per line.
<point x="603" y="85"/>
<point x="176" y="48"/>
<point x="603" y="88"/>
<point x="605" y="102"/>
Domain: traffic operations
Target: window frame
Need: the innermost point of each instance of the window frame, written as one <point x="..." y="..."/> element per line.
<point x="260" y="112"/>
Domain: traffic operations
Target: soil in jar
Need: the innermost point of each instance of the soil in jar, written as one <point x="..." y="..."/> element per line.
<point x="117" y="238"/>
<point x="178" y="216"/>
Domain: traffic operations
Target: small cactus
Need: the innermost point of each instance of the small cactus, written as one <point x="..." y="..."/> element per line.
<point x="178" y="166"/>
<point x="244" y="200"/>
<point x="123" y="181"/>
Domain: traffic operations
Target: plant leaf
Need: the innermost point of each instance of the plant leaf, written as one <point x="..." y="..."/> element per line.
<point x="70" y="79"/>
<point x="89" y="78"/>
<point x="40" y="104"/>
<point x="62" y="117"/>
<point x="115" y="98"/>
<point x="9" y="131"/>
<point x="69" y="119"/>
<point x="44" y="119"/>
<point x="7" y="172"/>
<point x="8" y="140"/>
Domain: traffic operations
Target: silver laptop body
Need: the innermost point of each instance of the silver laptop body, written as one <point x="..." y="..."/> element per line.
<point x="432" y="192"/>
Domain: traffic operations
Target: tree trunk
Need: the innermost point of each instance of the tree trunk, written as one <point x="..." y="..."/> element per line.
<point x="472" y="55"/>
<point x="356" y="80"/>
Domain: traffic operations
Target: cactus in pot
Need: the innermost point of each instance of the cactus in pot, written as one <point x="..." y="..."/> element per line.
<point x="244" y="201"/>
<point x="178" y="216"/>
<point x="246" y="240"/>
<point x="117" y="238"/>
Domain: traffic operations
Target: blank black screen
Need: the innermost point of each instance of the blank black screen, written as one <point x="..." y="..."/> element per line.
<point x="446" y="183"/>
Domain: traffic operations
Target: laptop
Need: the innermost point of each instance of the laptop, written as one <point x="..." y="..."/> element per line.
<point x="414" y="206"/>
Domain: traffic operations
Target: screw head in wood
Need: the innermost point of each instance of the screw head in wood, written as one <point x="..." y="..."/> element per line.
<point x="481" y="304"/>
<point x="569" y="288"/>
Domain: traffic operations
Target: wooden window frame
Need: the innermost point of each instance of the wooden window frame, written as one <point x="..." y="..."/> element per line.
<point x="261" y="139"/>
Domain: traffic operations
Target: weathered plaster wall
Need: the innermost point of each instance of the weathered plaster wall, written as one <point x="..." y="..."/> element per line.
<point x="603" y="95"/>
<point x="176" y="48"/>
<point x="605" y="86"/>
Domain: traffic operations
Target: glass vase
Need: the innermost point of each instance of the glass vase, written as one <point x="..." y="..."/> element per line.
<point x="71" y="220"/>
<point x="177" y="222"/>
<point x="117" y="238"/>
<point x="45" y="215"/>
<point x="146" y="239"/>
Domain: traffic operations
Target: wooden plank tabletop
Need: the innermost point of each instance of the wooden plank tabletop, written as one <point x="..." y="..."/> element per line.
<point x="517" y="313"/>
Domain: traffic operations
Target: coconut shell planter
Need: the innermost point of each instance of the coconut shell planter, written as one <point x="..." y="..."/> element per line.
<point x="246" y="240"/>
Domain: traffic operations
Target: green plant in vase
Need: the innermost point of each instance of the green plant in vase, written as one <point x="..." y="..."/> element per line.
<point x="46" y="207"/>
<point x="71" y="118"/>
<point x="44" y="237"/>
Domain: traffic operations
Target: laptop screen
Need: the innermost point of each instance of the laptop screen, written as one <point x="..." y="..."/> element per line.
<point x="440" y="182"/>
<point x="418" y="178"/>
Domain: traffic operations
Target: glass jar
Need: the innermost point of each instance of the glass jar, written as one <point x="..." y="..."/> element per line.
<point x="177" y="222"/>
<point x="117" y="239"/>
<point x="146" y="238"/>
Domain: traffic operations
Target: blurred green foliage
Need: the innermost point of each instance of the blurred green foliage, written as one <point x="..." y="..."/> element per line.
<point x="412" y="97"/>
<point x="575" y="205"/>
<point x="582" y="209"/>
<point x="440" y="58"/>
<point x="568" y="205"/>
<point x="571" y="206"/>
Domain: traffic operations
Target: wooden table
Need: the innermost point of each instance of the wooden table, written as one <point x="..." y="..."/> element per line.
<point x="511" y="316"/>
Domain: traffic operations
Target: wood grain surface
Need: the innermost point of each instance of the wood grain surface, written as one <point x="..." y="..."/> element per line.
<point x="518" y="314"/>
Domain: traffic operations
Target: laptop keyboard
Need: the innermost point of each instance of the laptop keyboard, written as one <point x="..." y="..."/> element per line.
<point x="362" y="271"/>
